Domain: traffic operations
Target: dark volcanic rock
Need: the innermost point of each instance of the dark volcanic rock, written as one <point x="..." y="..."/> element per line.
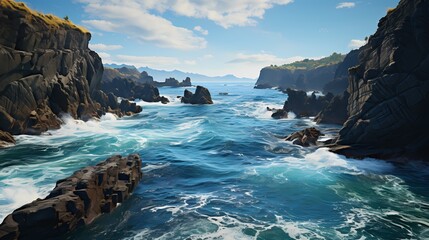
<point x="127" y="88"/>
<point x="341" y="78"/>
<point x="45" y="71"/>
<point x="389" y="89"/>
<point x="201" y="96"/>
<point x="172" y="82"/>
<point x="336" y="111"/>
<point x="303" y="105"/>
<point x="75" y="201"/>
<point x="6" y="139"/>
<point x="109" y="103"/>
<point x="279" y="114"/>
<point x="306" y="137"/>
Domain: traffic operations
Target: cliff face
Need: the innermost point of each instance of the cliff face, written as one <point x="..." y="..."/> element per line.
<point x="389" y="90"/>
<point x="312" y="79"/>
<point x="46" y="69"/>
<point x="341" y="78"/>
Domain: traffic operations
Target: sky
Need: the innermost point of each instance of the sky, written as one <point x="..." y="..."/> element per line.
<point x="220" y="37"/>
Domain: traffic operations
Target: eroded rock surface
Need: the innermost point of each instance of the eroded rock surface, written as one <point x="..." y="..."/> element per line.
<point x="389" y="89"/>
<point x="76" y="200"/>
<point x="307" y="137"/>
<point x="201" y="96"/>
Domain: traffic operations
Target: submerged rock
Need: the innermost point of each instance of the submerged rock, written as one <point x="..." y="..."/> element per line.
<point x="201" y="96"/>
<point x="305" y="138"/>
<point x="279" y="114"/>
<point x="75" y="201"/>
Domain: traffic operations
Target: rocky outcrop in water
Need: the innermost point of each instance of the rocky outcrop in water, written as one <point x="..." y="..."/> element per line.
<point x="201" y="96"/>
<point x="127" y="88"/>
<point x="341" y="78"/>
<point x="75" y="201"/>
<point x="389" y="89"/>
<point x="133" y="74"/>
<point x="307" y="137"/>
<point x="303" y="105"/>
<point x="109" y="103"/>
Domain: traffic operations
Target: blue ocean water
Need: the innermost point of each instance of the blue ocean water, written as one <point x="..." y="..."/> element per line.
<point x="223" y="172"/>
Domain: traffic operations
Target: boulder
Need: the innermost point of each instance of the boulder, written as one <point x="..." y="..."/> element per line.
<point x="307" y="137"/>
<point x="75" y="201"/>
<point x="279" y="114"/>
<point x="201" y="96"/>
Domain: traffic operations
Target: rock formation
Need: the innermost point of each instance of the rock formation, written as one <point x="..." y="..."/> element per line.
<point x="127" y="88"/>
<point x="303" y="105"/>
<point x="389" y="89"/>
<point x="304" y="75"/>
<point x="336" y="110"/>
<point x="109" y="103"/>
<point x="341" y="78"/>
<point x="6" y="139"/>
<point x="307" y="137"/>
<point x="47" y="69"/>
<point x="133" y="74"/>
<point x="201" y="96"/>
<point x="279" y="114"/>
<point x="75" y="201"/>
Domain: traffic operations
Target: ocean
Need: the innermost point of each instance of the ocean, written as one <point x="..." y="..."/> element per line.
<point x="223" y="171"/>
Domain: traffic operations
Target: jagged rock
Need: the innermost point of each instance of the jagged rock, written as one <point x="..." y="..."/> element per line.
<point x="109" y="103"/>
<point x="341" y="78"/>
<point x="201" y="96"/>
<point x="303" y="105"/>
<point x="389" y="89"/>
<point x="305" y="138"/>
<point x="279" y="114"/>
<point x="6" y="139"/>
<point x="336" y="111"/>
<point x="46" y="71"/>
<point x="127" y="88"/>
<point x="75" y="201"/>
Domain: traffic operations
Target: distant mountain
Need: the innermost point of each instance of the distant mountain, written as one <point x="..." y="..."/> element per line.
<point x="161" y="75"/>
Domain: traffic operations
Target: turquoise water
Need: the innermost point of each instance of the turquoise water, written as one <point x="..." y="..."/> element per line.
<point x="223" y="172"/>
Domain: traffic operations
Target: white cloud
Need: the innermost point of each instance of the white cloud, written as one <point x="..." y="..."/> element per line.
<point x="190" y="62"/>
<point x="201" y="30"/>
<point x="346" y="5"/>
<point x="104" y="47"/>
<point x="258" y="58"/>
<point x="208" y="56"/>
<point x="131" y="18"/>
<point x="354" y="44"/>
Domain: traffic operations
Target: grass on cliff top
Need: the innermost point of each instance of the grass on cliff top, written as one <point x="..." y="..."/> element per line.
<point x="49" y="19"/>
<point x="308" y="64"/>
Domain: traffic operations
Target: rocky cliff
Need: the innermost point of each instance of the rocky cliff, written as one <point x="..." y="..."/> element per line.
<point x="389" y="89"/>
<point x="341" y="78"/>
<point x="75" y="201"/>
<point x="303" y="75"/>
<point x="47" y="69"/>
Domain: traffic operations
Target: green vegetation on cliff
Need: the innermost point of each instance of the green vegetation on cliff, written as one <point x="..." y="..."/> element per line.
<point x="32" y="15"/>
<point x="308" y="64"/>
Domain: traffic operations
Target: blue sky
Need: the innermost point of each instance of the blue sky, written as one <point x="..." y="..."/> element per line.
<point x="220" y="37"/>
